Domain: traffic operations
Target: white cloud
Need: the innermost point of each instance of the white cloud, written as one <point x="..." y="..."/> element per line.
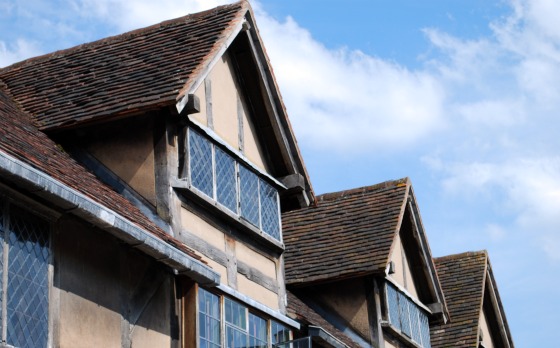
<point x="128" y="15"/>
<point x="22" y="49"/>
<point x="345" y="100"/>
<point x="529" y="190"/>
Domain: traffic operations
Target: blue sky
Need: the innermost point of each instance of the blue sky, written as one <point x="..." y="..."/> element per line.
<point x="461" y="96"/>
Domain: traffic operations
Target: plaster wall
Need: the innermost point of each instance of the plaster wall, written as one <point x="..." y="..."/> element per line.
<point x="251" y="147"/>
<point x="402" y="275"/>
<point x="202" y="229"/>
<point x="257" y="292"/>
<point x="346" y="299"/>
<point x="224" y="101"/>
<point x="201" y="117"/>
<point x="229" y="110"/>
<point x="107" y="294"/>
<point x="127" y="149"/>
<point x="255" y="259"/>
<point x="486" y="335"/>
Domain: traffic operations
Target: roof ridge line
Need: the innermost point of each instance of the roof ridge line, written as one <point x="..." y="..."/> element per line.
<point x="364" y="189"/>
<point x="462" y="255"/>
<point x="119" y="37"/>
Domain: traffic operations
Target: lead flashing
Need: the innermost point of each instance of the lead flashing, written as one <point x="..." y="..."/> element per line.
<point x="80" y="205"/>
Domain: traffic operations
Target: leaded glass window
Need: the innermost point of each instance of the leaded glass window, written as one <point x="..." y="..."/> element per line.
<point x="406" y="316"/>
<point x="200" y="159"/>
<point x="269" y="210"/>
<point x="226" y="180"/>
<point x="249" y="186"/>
<point x="209" y="319"/>
<point x="26" y="239"/>
<point x="234" y="185"/>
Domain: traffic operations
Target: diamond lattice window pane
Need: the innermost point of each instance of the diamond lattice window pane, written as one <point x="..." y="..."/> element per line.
<point x="226" y="183"/>
<point x="249" y="192"/>
<point x="200" y="160"/>
<point x="393" y="304"/>
<point x="269" y="210"/>
<point x="416" y="335"/>
<point x="404" y="314"/>
<point x="27" y="280"/>
<point x="425" y="329"/>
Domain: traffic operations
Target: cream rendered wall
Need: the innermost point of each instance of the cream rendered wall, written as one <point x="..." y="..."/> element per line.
<point x="257" y="292"/>
<point x="228" y="111"/>
<point x="242" y="253"/>
<point x="130" y="155"/>
<point x="201" y="117"/>
<point x="253" y="258"/>
<point x="251" y="146"/>
<point x="202" y="229"/>
<point x="224" y="101"/>
<point x="486" y="336"/>
<point x="348" y="299"/>
<point x="98" y="283"/>
<point x="402" y="275"/>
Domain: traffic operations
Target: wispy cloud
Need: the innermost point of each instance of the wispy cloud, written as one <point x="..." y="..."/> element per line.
<point x="20" y="50"/>
<point x="346" y="101"/>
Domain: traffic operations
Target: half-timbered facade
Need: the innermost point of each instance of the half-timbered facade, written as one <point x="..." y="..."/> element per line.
<point x="143" y="178"/>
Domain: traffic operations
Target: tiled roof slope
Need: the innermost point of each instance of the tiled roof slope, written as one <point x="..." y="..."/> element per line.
<point x="346" y="234"/>
<point x="144" y="68"/>
<point x="462" y="278"/>
<point x="21" y="139"/>
<point x="301" y="312"/>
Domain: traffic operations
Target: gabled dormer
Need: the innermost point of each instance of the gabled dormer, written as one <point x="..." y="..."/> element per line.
<point x="361" y="259"/>
<point x="477" y="317"/>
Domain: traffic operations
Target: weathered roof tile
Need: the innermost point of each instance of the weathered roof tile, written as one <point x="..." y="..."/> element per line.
<point x="462" y="279"/>
<point x="120" y="74"/>
<point x="346" y="234"/>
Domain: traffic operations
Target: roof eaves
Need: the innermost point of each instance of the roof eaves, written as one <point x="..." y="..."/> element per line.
<point x="402" y="182"/>
<point x="497" y="303"/>
<point x="205" y="66"/>
<point x="105" y="218"/>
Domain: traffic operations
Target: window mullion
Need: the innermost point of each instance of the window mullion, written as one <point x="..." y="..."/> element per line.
<point x="259" y="201"/>
<point x="5" y="259"/>
<point x="188" y="155"/>
<point x="214" y="174"/>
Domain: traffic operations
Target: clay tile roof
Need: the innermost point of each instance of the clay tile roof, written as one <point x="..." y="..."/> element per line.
<point x="462" y="278"/>
<point x="22" y="140"/>
<point x="346" y="234"/>
<point x="144" y="68"/>
<point x="302" y="313"/>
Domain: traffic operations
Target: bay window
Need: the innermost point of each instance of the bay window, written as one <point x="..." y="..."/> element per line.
<point x="407" y="317"/>
<point x="233" y="184"/>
